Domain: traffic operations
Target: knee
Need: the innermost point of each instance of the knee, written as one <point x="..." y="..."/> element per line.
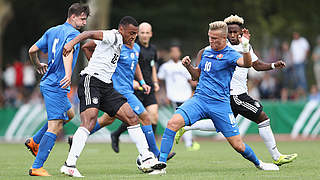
<point x="262" y="117"/>
<point x="239" y="147"/>
<point x="175" y="123"/>
<point x="132" y="119"/>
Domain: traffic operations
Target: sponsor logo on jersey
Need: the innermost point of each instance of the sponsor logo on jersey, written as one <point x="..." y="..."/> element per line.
<point x="137" y="54"/>
<point x="219" y="56"/>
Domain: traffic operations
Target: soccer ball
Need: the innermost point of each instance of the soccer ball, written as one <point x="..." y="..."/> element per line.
<point x="145" y="167"/>
<point x="139" y="162"/>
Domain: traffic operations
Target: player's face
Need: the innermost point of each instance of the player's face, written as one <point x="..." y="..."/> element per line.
<point x="80" y="21"/>
<point x="217" y="39"/>
<point x="129" y="33"/>
<point x="144" y="34"/>
<point x="234" y="31"/>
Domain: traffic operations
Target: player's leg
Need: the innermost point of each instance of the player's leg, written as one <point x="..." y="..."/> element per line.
<point x="152" y="108"/>
<point x="115" y="136"/>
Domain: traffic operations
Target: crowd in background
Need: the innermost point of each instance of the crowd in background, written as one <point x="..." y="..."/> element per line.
<point x="290" y="84"/>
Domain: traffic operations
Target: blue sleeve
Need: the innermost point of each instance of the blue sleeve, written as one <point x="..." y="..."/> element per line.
<point x="236" y="57"/>
<point x="42" y="43"/>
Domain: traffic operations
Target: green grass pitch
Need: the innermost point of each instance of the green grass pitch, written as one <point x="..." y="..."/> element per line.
<point x="215" y="160"/>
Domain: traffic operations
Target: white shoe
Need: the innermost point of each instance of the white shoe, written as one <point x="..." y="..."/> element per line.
<point x="267" y="166"/>
<point x="70" y="171"/>
<point x="158" y="172"/>
<point x="148" y="161"/>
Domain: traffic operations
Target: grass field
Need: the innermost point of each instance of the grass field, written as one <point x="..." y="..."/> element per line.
<point x="215" y="160"/>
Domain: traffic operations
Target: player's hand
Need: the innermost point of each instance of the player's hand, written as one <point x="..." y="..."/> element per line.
<point x="186" y="61"/>
<point x="279" y="64"/>
<point x="65" y="82"/>
<point x="67" y="49"/>
<point x="136" y="86"/>
<point x="146" y="88"/>
<point x="156" y="86"/>
<point x="246" y="34"/>
<point x="41" y="68"/>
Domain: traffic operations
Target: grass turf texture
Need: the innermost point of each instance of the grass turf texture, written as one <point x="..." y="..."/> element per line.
<point x="215" y="160"/>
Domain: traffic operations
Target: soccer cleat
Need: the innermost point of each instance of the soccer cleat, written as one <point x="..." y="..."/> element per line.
<point x="70" y="140"/>
<point x="159" y="166"/>
<point x="267" y="166"/>
<point x="38" y="172"/>
<point x="158" y="172"/>
<point x="179" y="135"/>
<point x="32" y="146"/>
<point x="195" y="147"/>
<point x="283" y="159"/>
<point x="70" y="171"/>
<point x="171" y="155"/>
<point x="115" y="143"/>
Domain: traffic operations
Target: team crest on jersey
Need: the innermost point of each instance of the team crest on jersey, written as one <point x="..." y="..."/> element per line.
<point x="132" y="55"/>
<point x="219" y="56"/>
<point x="95" y="100"/>
<point x="136" y="108"/>
<point x="137" y="54"/>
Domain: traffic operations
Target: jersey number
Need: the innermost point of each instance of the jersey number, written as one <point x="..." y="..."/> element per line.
<point x="115" y="58"/>
<point x="207" y="66"/>
<point x="55" y="42"/>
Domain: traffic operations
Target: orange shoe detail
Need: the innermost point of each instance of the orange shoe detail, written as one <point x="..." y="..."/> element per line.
<point x="38" y="172"/>
<point x="32" y="146"/>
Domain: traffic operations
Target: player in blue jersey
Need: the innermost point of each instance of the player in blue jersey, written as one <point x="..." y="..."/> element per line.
<point x="56" y="79"/>
<point x="211" y="98"/>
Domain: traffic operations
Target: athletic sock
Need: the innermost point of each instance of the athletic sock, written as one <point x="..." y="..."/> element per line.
<point x="122" y="128"/>
<point x="46" y="144"/>
<point x="154" y="128"/>
<point x="187" y="137"/>
<point x="38" y="136"/>
<point x="166" y="144"/>
<point x="250" y="155"/>
<point x="96" y="128"/>
<point x="147" y="130"/>
<point x="268" y="138"/>
<point x="203" y="125"/>
<point x="78" y="143"/>
<point x="138" y="138"/>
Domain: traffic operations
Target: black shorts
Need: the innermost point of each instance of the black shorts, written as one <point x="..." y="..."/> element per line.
<point x="244" y="105"/>
<point x="146" y="99"/>
<point x="94" y="93"/>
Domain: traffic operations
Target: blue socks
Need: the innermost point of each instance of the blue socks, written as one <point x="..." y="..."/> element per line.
<point x="96" y="128"/>
<point x="250" y="155"/>
<point x="148" y="132"/>
<point x="166" y="144"/>
<point x="46" y="144"/>
<point x="38" y="136"/>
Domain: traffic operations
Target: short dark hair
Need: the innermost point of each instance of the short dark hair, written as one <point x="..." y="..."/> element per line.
<point x="78" y="9"/>
<point x="128" y="20"/>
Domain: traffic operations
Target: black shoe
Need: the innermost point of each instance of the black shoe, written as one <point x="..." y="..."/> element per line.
<point x="70" y="139"/>
<point x="115" y="143"/>
<point x="171" y="155"/>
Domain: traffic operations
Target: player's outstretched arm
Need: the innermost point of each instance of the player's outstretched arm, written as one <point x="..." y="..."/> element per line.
<point x="41" y="68"/>
<point x="246" y="60"/>
<point x="139" y="76"/>
<point x="88" y="49"/>
<point x="67" y="62"/>
<point x="97" y="35"/>
<point x="261" y="66"/>
<point x="194" y="71"/>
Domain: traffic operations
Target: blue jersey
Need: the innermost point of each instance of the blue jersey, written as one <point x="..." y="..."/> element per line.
<point x="217" y="68"/>
<point x="126" y="68"/>
<point x="53" y="42"/>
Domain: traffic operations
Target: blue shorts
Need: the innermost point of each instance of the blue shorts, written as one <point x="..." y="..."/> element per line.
<point x="134" y="103"/>
<point x="57" y="103"/>
<point x="219" y="112"/>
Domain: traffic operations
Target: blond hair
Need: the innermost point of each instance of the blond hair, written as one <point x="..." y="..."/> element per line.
<point x="219" y="25"/>
<point x="234" y="19"/>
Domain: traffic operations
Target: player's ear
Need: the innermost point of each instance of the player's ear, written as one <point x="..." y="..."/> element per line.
<point x="121" y="29"/>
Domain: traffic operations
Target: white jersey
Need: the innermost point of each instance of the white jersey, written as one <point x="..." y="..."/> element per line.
<point x="238" y="84"/>
<point x="176" y="77"/>
<point x="104" y="59"/>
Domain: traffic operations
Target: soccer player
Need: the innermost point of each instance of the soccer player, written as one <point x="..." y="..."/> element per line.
<point x="211" y="98"/>
<point x="147" y="60"/>
<point x="56" y="79"/>
<point x="178" y="86"/>
<point x="241" y="102"/>
<point x="96" y="91"/>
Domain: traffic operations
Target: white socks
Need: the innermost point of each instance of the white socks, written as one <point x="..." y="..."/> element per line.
<point x="138" y="137"/>
<point x="78" y="143"/>
<point x="268" y="138"/>
<point x="187" y="138"/>
<point x="203" y="125"/>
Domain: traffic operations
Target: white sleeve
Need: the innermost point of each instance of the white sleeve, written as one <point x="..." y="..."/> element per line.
<point x="254" y="57"/>
<point x="186" y="73"/>
<point x="161" y="72"/>
<point x="109" y="37"/>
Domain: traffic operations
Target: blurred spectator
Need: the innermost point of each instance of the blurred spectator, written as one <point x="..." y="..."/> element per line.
<point x="316" y="59"/>
<point x="299" y="49"/>
<point x="287" y="71"/>
<point x="18" y="66"/>
<point x="29" y="77"/>
<point x="267" y="86"/>
<point x="314" y="93"/>
<point x="9" y="76"/>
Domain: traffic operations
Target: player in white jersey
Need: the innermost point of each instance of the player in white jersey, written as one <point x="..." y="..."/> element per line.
<point x="241" y="102"/>
<point x="96" y="92"/>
